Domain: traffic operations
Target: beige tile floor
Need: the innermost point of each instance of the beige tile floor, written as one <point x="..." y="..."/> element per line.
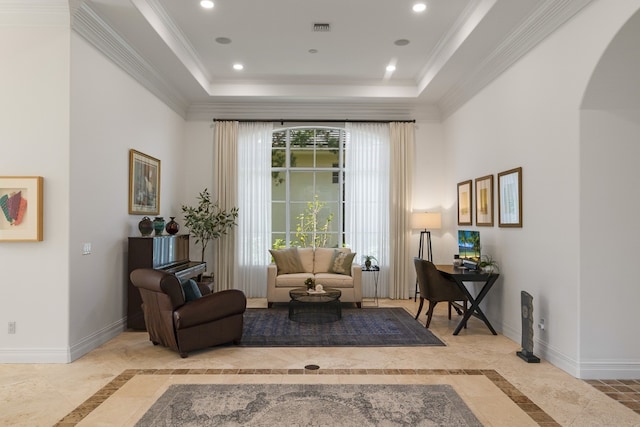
<point x="493" y="381"/>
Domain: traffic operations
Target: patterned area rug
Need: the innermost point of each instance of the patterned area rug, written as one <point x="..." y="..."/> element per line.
<point x="309" y="405"/>
<point x="372" y="327"/>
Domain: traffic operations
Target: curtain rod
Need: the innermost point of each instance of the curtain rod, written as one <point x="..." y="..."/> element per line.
<point x="313" y="121"/>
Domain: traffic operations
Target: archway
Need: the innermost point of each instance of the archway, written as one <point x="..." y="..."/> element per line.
<point x="610" y="207"/>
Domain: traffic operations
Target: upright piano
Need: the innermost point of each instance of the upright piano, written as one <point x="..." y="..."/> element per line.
<point x="167" y="253"/>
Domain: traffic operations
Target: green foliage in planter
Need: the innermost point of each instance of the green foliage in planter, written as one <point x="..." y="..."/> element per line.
<point x="207" y="221"/>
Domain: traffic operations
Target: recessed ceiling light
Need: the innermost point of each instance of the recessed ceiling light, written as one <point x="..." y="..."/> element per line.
<point x="207" y="4"/>
<point x="223" y="40"/>
<point x="401" y="42"/>
<point x="238" y="67"/>
<point x="419" y="7"/>
<point x="391" y="67"/>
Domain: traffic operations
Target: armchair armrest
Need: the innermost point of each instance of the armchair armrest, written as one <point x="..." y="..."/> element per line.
<point x="210" y="307"/>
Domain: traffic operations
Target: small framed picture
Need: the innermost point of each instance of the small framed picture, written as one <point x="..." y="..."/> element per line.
<point x="510" y="198"/>
<point x="22" y="206"/>
<point x="484" y="201"/>
<point x="464" y="203"/>
<point x="144" y="184"/>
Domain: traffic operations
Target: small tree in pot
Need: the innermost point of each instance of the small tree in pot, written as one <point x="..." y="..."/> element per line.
<point x="207" y="221"/>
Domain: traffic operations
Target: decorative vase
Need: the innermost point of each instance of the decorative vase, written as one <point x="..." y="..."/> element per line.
<point x="145" y="226"/>
<point x="367" y="265"/>
<point x="158" y="225"/>
<point x="172" y="226"/>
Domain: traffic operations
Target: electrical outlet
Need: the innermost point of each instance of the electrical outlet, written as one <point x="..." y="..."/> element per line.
<point x="86" y="249"/>
<point x="541" y="325"/>
<point x="12" y="327"/>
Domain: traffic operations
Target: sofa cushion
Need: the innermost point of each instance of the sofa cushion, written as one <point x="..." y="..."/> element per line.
<point x="306" y="259"/>
<point x="287" y="260"/>
<point x="330" y="280"/>
<point x="341" y="262"/>
<point x="295" y="280"/>
<point x="323" y="257"/>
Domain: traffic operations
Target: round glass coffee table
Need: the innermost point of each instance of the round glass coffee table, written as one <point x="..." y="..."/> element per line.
<point x="312" y="307"/>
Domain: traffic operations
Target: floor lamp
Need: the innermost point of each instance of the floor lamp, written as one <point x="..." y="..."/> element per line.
<point x="425" y="221"/>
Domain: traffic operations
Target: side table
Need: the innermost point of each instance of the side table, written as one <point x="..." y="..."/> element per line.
<point x="376" y="272"/>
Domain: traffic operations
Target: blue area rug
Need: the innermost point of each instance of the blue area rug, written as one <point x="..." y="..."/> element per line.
<point x="369" y="327"/>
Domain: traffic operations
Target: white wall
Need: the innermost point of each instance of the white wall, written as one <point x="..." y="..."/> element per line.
<point x="34" y="136"/>
<point x="530" y="117"/>
<point x="199" y="175"/>
<point x="111" y="114"/>
<point x="609" y="161"/>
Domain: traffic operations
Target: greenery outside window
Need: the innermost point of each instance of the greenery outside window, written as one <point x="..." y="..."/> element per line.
<point x="308" y="182"/>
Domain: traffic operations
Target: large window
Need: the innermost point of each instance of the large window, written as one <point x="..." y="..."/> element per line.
<point x="308" y="187"/>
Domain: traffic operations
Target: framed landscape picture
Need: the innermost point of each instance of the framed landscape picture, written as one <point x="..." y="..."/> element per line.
<point x="484" y="201"/>
<point x="510" y="198"/>
<point x="144" y="184"/>
<point x="464" y="203"/>
<point x="22" y="206"/>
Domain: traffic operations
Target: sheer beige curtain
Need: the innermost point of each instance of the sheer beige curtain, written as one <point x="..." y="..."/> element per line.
<point x="401" y="172"/>
<point x="226" y="163"/>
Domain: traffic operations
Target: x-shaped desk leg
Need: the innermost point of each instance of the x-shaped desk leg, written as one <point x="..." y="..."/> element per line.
<point x="475" y="303"/>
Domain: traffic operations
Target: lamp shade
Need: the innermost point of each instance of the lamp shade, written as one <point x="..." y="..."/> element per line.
<point x="426" y="220"/>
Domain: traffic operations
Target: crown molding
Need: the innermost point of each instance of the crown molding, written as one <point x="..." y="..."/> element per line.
<point x="547" y="18"/>
<point x="101" y="35"/>
<point x="175" y="39"/>
<point x="455" y="36"/>
<point x="34" y="13"/>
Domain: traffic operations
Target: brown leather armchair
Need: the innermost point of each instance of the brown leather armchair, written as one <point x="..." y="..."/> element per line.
<point x="215" y="318"/>
<point x="436" y="288"/>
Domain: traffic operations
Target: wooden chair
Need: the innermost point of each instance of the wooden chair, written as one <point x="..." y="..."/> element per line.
<point x="436" y="288"/>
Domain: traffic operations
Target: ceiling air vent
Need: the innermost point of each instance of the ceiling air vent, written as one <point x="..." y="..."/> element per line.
<point x="321" y="28"/>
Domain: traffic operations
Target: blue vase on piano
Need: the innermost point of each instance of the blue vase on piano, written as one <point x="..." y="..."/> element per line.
<point x="158" y="225"/>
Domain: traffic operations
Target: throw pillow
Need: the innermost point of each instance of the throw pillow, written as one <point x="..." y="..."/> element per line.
<point x="341" y="262"/>
<point x="191" y="290"/>
<point x="287" y="260"/>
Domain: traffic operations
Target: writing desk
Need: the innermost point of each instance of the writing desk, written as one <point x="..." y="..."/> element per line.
<point x="460" y="275"/>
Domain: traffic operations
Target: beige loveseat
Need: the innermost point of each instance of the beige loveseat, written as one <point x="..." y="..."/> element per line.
<point x="328" y="268"/>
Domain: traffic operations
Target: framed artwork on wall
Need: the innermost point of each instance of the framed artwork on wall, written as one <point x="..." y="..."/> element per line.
<point x="510" y="198"/>
<point x="21" y="204"/>
<point x="484" y="201"/>
<point x="464" y="203"/>
<point x="144" y="184"/>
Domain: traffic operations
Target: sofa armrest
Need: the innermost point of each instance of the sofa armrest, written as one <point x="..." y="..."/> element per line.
<point x="356" y="274"/>
<point x="272" y="273"/>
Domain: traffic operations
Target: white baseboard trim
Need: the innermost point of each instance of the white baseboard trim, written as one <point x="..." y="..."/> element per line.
<point x="63" y="355"/>
<point x="96" y="339"/>
<point x="34" y="355"/>
<point x="544" y="351"/>
<point x="609" y="369"/>
<point x="595" y="369"/>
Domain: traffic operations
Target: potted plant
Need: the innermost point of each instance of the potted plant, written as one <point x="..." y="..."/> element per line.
<point x="310" y="283"/>
<point x="207" y="221"/>
<point x="488" y="264"/>
<point x="367" y="261"/>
